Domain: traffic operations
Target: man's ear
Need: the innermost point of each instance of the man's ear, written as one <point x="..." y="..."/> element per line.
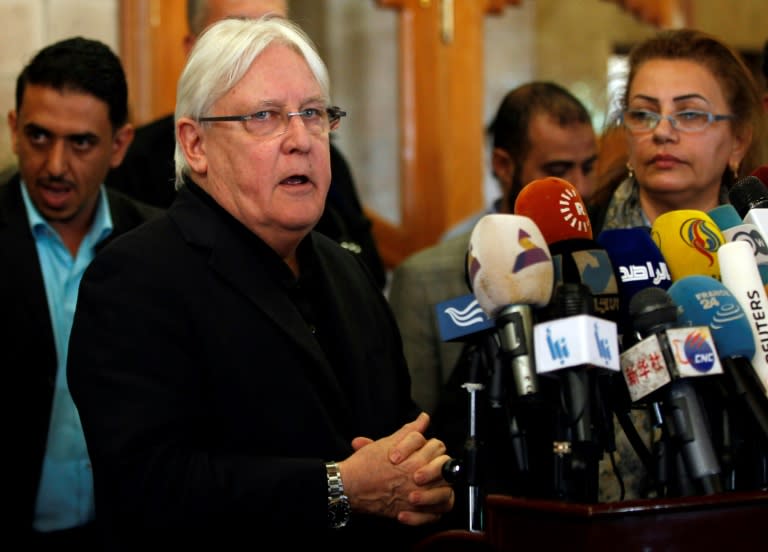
<point x="120" y="142"/>
<point x="503" y="168"/>
<point x="191" y="139"/>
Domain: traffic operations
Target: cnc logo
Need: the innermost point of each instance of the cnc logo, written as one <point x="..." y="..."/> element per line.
<point x="697" y="352"/>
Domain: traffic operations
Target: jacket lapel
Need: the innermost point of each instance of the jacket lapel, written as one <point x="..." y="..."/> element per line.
<point x="19" y="246"/>
<point x="232" y="258"/>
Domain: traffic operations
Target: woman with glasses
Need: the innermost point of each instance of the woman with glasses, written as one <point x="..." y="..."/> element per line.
<point x="692" y="121"/>
<point x="239" y="376"/>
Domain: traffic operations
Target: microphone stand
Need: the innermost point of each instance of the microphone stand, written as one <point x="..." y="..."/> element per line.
<point x="577" y="450"/>
<point x="472" y="457"/>
<point x="468" y="469"/>
<point x="686" y="444"/>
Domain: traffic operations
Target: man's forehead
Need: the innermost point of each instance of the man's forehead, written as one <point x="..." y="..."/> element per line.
<point x="549" y="139"/>
<point x="65" y="106"/>
<point x="290" y="81"/>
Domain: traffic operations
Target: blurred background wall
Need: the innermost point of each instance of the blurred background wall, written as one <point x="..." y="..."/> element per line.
<point x="570" y="42"/>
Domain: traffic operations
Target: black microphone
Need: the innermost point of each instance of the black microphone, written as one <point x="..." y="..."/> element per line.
<point x="573" y="349"/>
<point x="638" y="264"/>
<point x="659" y="368"/>
<point x="749" y="196"/>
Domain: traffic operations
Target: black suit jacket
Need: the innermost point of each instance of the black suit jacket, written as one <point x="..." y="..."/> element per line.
<point x="27" y="349"/>
<point x="208" y="405"/>
<point x="148" y="174"/>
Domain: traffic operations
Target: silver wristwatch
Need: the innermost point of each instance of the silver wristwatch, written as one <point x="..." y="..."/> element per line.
<point x="339" y="508"/>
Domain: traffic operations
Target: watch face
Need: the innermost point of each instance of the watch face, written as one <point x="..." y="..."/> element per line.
<point x="339" y="511"/>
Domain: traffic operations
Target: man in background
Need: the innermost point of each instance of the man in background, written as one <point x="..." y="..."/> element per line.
<point x="522" y="145"/>
<point x="68" y="128"/>
<point x="540" y="130"/>
<point x="147" y="173"/>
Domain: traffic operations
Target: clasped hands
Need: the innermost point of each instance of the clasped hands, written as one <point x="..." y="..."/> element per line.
<point x="399" y="476"/>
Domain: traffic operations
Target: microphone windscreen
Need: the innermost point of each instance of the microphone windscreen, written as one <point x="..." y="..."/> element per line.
<point x="636" y="260"/>
<point x="508" y="263"/>
<point x="748" y="193"/>
<point x="688" y="240"/>
<point x="733" y="228"/>
<point x="556" y="206"/>
<point x="725" y="216"/>
<point x="584" y="261"/>
<point x="703" y="301"/>
<point x="742" y="278"/>
<point x="652" y="309"/>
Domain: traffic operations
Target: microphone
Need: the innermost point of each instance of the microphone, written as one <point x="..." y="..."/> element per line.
<point x="733" y="228"/>
<point x="509" y="270"/>
<point x="749" y="197"/>
<point x="749" y="192"/>
<point x="581" y="422"/>
<point x="637" y="264"/>
<point x="740" y="275"/>
<point x="557" y="208"/>
<point x="576" y="338"/>
<point x="703" y="301"/>
<point x="688" y="239"/>
<point x="660" y="365"/>
<point x="573" y="348"/>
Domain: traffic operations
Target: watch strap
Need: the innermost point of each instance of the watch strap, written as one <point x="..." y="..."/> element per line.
<point x="335" y="484"/>
<point x="339" y="509"/>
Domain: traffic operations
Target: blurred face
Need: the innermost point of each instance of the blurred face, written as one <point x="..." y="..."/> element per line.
<point x="65" y="147"/>
<point x="276" y="186"/>
<point x="220" y="9"/>
<point x="680" y="170"/>
<point x="568" y="152"/>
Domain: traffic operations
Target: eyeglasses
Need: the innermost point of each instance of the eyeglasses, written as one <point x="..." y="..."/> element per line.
<point x="270" y="123"/>
<point x="640" y="120"/>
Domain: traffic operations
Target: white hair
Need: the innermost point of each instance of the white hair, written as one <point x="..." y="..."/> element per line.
<point x="221" y="57"/>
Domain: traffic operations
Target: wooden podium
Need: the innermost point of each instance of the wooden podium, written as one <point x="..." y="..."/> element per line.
<point x="732" y="522"/>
